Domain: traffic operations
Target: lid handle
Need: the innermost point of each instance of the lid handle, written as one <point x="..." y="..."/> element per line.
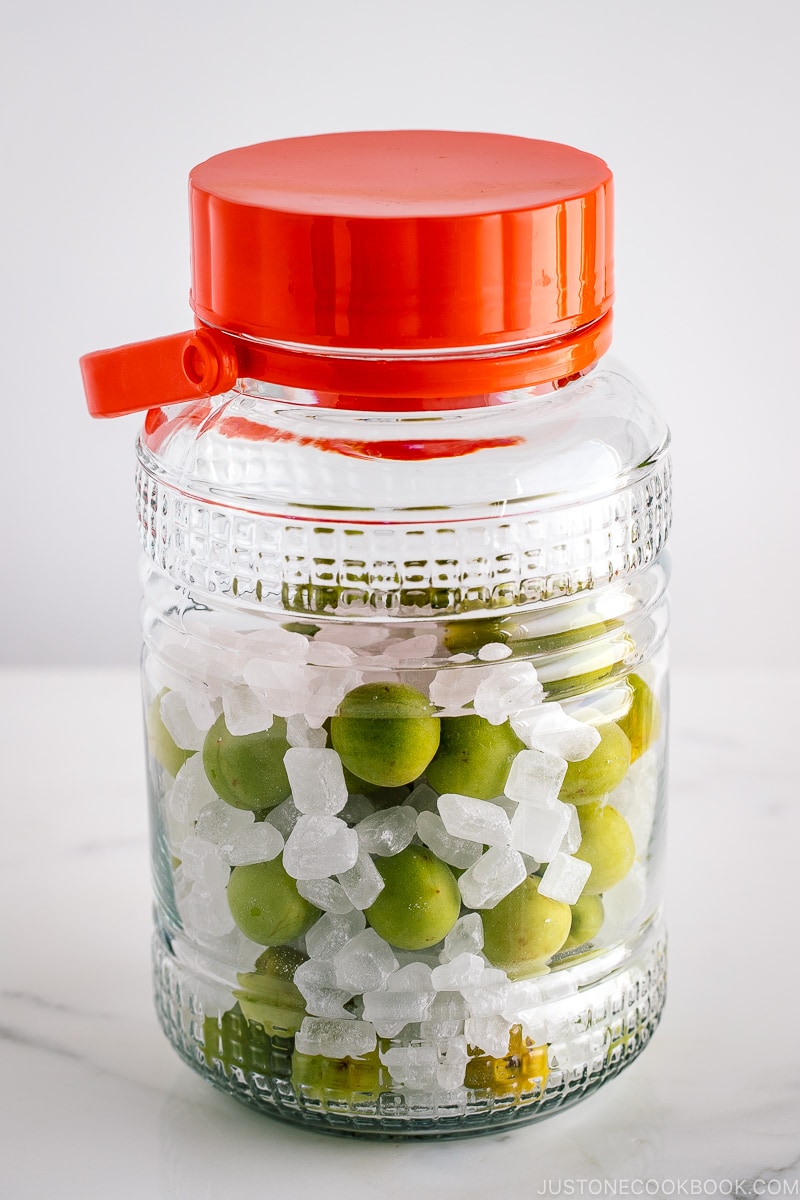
<point x="166" y="370"/>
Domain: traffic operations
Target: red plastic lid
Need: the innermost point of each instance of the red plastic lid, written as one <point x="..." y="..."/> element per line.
<point x="348" y="263"/>
<point x="411" y="239"/>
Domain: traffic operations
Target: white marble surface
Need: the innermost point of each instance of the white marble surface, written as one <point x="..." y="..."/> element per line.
<point x="95" y="1104"/>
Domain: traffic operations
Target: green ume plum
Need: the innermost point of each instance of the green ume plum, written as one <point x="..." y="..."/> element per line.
<point x="338" y="1080"/>
<point x="642" y="722"/>
<point x="162" y="745"/>
<point x="268" y="994"/>
<point x="385" y="733"/>
<point x="420" y="901"/>
<point x="587" y="918"/>
<point x="600" y="773"/>
<point x="606" y="844"/>
<point x="575" y="668"/>
<point x="525" y="929"/>
<point x="266" y="905"/>
<point x="468" y="636"/>
<point x="248" y="771"/>
<point x="474" y="757"/>
<point x="569" y="670"/>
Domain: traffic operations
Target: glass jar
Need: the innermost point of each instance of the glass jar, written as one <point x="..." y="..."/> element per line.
<point x="404" y="638"/>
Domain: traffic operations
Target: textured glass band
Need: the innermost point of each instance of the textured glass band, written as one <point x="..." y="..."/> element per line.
<point x="401" y="568"/>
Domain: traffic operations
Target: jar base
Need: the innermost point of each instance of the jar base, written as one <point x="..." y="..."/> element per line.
<point x="599" y="1030"/>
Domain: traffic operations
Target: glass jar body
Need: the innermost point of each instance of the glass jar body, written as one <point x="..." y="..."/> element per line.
<point x="407" y="810"/>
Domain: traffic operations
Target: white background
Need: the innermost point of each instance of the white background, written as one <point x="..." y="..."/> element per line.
<point x="694" y="105"/>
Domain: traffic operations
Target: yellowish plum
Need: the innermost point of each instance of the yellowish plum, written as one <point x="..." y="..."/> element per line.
<point x="525" y="929"/>
<point x="642" y="722"/>
<point x="600" y="773"/>
<point x="606" y="844"/>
